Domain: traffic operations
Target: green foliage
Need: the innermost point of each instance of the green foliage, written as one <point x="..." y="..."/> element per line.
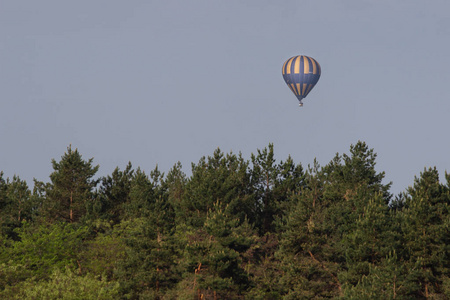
<point x="16" y="205"/>
<point x="71" y="189"/>
<point x="374" y="237"/>
<point x="175" y="183"/>
<point x="148" y="267"/>
<point x="64" y="285"/>
<point x="425" y="226"/>
<point x="214" y="255"/>
<point x="45" y="247"/>
<point x="13" y="274"/>
<point x="114" y="192"/>
<point x="100" y="256"/>
<point x="149" y="262"/>
<point x="219" y="179"/>
<point x="385" y="280"/>
<point x="319" y="240"/>
<point x="263" y="268"/>
<point x="272" y="184"/>
<point x="234" y="229"/>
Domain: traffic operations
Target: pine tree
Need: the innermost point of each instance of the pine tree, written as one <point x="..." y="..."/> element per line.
<point x="425" y="220"/>
<point x="71" y="188"/>
<point x="385" y="280"/>
<point x="214" y="255"/>
<point x="372" y="265"/>
<point x="313" y="245"/>
<point x="175" y="183"/>
<point x="306" y="252"/>
<point x="15" y="204"/>
<point x="113" y="193"/>
<point x="219" y="179"/>
<point x="149" y="268"/>
<point x="272" y="184"/>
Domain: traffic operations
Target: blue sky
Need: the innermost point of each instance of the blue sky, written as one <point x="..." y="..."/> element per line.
<point x="156" y="82"/>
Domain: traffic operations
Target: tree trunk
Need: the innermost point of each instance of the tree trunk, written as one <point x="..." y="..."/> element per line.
<point x="70" y="207"/>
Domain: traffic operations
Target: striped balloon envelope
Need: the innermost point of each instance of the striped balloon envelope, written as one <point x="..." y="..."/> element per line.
<point x="301" y="74"/>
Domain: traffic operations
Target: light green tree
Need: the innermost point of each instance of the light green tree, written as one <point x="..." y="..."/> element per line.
<point x="65" y="285"/>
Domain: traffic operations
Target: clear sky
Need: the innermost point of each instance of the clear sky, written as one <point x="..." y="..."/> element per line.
<point x="156" y="82"/>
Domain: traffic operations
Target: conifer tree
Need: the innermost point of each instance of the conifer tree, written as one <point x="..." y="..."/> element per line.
<point x="214" y="255"/>
<point x="149" y="268"/>
<point x="384" y="280"/>
<point x="272" y="184"/>
<point x="327" y="209"/>
<point x="71" y="188"/>
<point x="219" y="179"/>
<point x="264" y="176"/>
<point x="425" y="220"/>
<point x="15" y="204"/>
<point x="4" y="205"/>
<point x="113" y="193"/>
<point x="305" y="250"/>
<point x="175" y="183"/>
<point x="372" y="264"/>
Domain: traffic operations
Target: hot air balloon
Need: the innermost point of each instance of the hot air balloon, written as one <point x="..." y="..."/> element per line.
<point x="301" y="74"/>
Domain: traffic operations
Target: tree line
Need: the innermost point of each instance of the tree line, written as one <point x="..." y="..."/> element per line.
<point x="235" y="228"/>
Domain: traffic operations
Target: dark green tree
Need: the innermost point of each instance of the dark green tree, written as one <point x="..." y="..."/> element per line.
<point x="306" y="254"/>
<point x="149" y="266"/>
<point x="313" y="246"/>
<point x="385" y="280"/>
<point x="71" y="189"/>
<point x="272" y="185"/>
<point x="3" y="188"/>
<point x="102" y="251"/>
<point x="221" y="179"/>
<point x="113" y="193"/>
<point x="214" y="256"/>
<point x="175" y="184"/>
<point x="425" y="223"/>
<point x="16" y="204"/>
<point x="372" y="264"/>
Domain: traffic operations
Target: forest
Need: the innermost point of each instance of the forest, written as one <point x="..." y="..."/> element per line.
<point x="235" y="228"/>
